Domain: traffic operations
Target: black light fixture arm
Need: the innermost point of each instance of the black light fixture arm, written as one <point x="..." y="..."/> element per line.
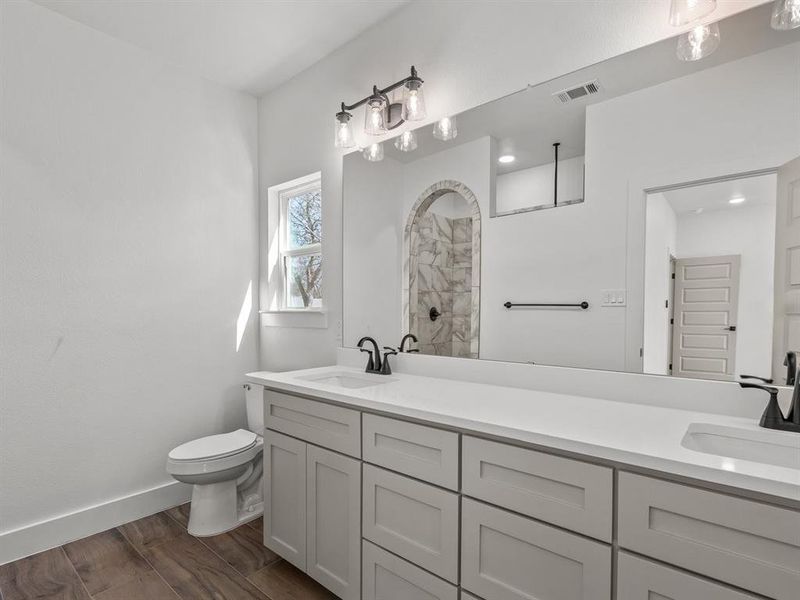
<point x="413" y="78"/>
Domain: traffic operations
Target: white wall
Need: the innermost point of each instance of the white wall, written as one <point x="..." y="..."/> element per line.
<point x="467" y="56"/>
<point x="660" y="244"/>
<point x="531" y="187"/>
<point x="128" y="245"/>
<point x="750" y="232"/>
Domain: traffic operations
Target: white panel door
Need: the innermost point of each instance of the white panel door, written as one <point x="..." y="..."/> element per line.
<point x="333" y="503"/>
<point x="706" y="306"/>
<point x="786" y="334"/>
<point x="285" y="497"/>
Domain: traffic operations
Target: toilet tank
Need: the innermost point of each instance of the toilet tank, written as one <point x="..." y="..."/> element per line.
<point x="254" y="399"/>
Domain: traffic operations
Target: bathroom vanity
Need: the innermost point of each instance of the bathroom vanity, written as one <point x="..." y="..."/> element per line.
<point x="406" y="486"/>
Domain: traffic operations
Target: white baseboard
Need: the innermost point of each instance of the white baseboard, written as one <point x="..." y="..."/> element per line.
<point x="53" y="532"/>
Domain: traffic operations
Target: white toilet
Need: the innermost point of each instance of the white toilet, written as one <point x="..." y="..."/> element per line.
<point x="226" y="472"/>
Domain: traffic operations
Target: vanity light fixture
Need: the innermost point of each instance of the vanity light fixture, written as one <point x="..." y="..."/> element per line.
<point x="699" y="42"/>
<point x="382" y="115"/>
<point x="785" y="15"/>
<point x="373" y="152"/>
<point x="683" y="12"/>
<point x="506" y="158"/>
<point x="445" y="129"/>
<point x="406" y="142"/>
<point x="737" y="200"/>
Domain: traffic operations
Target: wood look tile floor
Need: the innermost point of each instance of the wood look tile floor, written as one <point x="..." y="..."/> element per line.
<point x="154" y="558"/>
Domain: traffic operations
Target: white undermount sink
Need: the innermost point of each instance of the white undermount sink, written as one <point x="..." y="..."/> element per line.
<point x="348" y="380"/>
<point x="766" y="446"/>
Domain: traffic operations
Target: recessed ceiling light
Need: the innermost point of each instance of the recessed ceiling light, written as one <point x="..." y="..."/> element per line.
<point x="698" y="210"/>
<point x="506" y="158"/>
<point x="737" y="200"/>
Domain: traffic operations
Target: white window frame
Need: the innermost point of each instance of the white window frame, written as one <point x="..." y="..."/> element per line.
<point x="274" y="252"/>
<point x="285" y="252"/>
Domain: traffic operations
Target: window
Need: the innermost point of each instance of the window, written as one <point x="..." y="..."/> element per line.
<point x="301" y="246"/>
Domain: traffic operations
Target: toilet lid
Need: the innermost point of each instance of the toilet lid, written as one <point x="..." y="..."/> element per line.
<point x="215" y="446"/>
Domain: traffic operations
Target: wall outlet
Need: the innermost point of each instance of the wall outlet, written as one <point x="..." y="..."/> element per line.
<point x="614" y="297"/>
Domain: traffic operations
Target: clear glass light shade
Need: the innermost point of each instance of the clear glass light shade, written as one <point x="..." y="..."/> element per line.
<point x="373" y="152"/>
<point x="407" y="141"/>
<point x="413" y="102"/>
<point x="683" y="12"/>
<point x="343" y="133"/>
<point x="785" y="15"/>
<point x="698" y="42"/>
<point x="445" y="129"/>
<point x="375" y="116"/>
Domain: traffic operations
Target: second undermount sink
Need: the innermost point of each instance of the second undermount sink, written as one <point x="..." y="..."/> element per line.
<point x="778" y="448"/>
<point x="348" y="380"/>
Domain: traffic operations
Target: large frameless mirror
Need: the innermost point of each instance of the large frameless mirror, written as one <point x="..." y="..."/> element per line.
<point x="640" y="215"/>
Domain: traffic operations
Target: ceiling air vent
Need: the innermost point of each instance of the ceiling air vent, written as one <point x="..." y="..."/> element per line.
<point x="587" y="89"/>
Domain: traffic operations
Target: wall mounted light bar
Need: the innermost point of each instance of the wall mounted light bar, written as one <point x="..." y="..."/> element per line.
<point x="382" y="115"/>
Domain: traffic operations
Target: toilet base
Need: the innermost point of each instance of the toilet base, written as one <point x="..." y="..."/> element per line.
<point x="218" y="507"/>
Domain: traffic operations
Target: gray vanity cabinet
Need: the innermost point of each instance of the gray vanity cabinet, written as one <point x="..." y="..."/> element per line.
<point x="749" y="544"/>
<point x="285" y="497"/>
<point x="312" y="496"/>
<point x="333" y="511"/>
<point x="386" y="576"/>
<point x="640" y="579"/>
<point x="505" y="556"/>
<point x="412" y="519"/>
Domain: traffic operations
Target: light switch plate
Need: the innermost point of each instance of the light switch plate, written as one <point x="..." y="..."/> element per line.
<point x="614" y="297"/>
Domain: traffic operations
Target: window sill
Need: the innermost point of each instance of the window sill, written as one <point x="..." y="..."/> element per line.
<point x="311" y="319"/>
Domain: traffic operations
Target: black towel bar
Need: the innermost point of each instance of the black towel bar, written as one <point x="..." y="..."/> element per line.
<point x="584" y="305"/>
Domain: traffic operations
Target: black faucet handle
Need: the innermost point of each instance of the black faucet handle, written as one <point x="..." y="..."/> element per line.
<point x="772" y="418"/>
<point x="386" y="369"/>
<point x="371" y="361"/>
<point x="764" y="379"/>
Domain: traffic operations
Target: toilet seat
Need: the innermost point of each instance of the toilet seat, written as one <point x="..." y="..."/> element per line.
<point x="213" y="447"/>
<point x="215" y="453"/>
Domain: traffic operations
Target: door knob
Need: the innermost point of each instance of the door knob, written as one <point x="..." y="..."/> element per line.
<point x="731" y="328"/>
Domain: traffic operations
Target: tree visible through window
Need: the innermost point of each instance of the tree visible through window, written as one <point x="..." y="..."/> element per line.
<point x="302" y="248"/>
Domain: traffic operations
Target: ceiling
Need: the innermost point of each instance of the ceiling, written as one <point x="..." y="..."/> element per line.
<point x="252" y="45"/>
<point x="716" y="196"/>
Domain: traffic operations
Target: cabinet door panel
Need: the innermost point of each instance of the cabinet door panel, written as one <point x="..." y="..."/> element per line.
<point x="388" y="576"/>
<point x="285" y="497"/>
<point x="333" y="502"/>
<point x="749" y="544"/>
<point x="641" y="579"/>
<point x="423" y="452"/>
<point x="323" y="424"/>
<point x="415" y="520"/>
<point x="569" y="493"/>
<point x="505" y="556"/>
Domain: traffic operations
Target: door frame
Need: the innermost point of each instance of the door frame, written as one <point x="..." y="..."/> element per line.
<point x="639" y="186"/>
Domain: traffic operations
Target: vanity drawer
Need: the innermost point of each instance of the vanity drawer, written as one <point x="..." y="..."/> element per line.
<point x="640" y="579"/>
<point x="569" y="493"/>
<point x="322" y="424"/>
<point x="505" y="556"/>
<point x="389" y="576"/>
<point x="412" y="519"/>
<point x="423" y="452"/>
<point x="751" y="545"/>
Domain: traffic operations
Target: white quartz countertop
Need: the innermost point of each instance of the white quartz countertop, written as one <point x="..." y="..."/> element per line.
<point x="637" y="435"/>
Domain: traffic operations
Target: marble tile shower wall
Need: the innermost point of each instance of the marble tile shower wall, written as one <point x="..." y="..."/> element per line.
<point x="444" y="280"/>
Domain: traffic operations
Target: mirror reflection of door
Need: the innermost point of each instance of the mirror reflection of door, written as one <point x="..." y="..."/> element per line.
<point x="718" y="239"/>
<point x="706" y="313"/>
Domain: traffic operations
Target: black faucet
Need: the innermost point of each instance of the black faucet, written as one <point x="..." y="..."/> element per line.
<point x="773" y="417"/>
<point x="790" y="362"/>
<point x="374" y="364"/>
<point x="407" y="337"/>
